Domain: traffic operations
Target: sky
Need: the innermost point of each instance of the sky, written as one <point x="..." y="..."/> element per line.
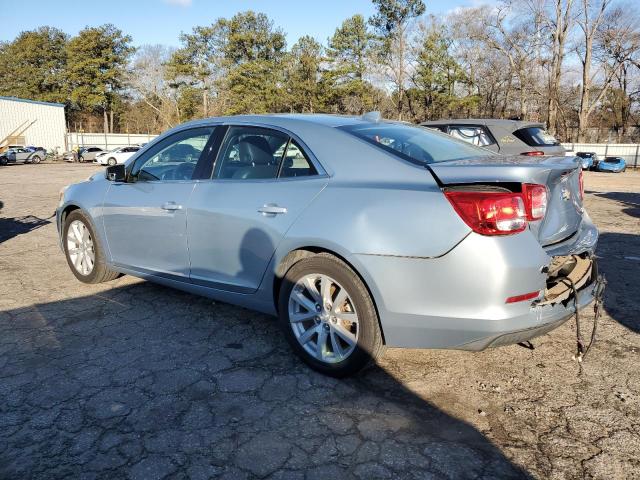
<point x="162" y="21"/>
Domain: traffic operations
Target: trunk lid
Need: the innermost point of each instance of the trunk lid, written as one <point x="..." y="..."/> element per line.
<point x="561" y="175"/>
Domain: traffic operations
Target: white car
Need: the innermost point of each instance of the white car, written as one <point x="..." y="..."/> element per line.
<point x="117" y="155"/>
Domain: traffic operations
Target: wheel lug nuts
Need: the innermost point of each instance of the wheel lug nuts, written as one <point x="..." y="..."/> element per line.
<point x="318" y="308"/>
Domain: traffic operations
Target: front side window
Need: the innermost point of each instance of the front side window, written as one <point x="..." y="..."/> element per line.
<point x="474" y="135"/>
<point x="250" y="153"/>
<point x="174" y="158"/>
<point x="416" y="144"/>
<point x="536" y="137"/>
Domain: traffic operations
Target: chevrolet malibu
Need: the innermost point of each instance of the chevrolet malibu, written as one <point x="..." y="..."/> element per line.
<point x="358" y="233"/>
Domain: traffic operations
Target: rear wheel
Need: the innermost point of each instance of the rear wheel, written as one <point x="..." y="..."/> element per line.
<point x="328" y="317"/>
<point x="83" y="250"/>
<point x="35" y="159"/>
<point x="81" y="159"/>
<point x="111" y="162"/>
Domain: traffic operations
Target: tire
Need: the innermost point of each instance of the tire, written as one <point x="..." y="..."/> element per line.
<point x="99" y="272"/>
<point x="362" y="347"/>
<point x="111" y="162"/>
<point x="35" y="159"/>
<point x="81" y="159"/>
<point x="3" y="160"/>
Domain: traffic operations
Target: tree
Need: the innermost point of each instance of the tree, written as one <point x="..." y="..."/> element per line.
<point x="147" y="80"/>
<point x="97" y="60"/>
<point x="33" y="65"/>
<point x="392" y="24"/>
<point x="348" y="55"/>
<point x="437" y="74"/>
<point x="253" y="51"/>
<point x="198" y="62"/>
<point x="304" y="85"/>
<point x="558" y="16"/>
<point x="590" y="22"/>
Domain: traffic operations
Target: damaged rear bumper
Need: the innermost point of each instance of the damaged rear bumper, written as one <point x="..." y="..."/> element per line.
<point x="556" y="306"/>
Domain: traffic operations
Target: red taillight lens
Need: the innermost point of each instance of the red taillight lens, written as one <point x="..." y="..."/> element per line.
<point x="490" y="213"/>
<point x="535" y="200"/>
<point x="581" y="184"/>
<point x="523" y="297"/>
<point x="535" y="153"/>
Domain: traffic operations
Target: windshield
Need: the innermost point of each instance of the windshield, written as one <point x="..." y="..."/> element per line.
<point x="416" y="144"/>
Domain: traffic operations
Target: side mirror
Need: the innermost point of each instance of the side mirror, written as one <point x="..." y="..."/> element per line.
<point x="116" y="173"/>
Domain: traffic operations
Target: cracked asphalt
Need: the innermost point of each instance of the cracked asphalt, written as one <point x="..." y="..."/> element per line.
<point x="130" y="379"/>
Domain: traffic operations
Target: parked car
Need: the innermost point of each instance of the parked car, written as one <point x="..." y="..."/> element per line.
<point x="589" y="160"/>
<point x="89" y="154"/>
<point x="612" y="164"/>
<point x="356" y="232"/>
<point x="23" y="155"/>
<point x="507" y="137"/>
<point x="117" y="155"/>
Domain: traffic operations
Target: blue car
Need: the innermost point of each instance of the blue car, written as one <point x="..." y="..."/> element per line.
<point x="356" y="232"/>
<point x="612" y="164"/>
<point x="589" y="160"/>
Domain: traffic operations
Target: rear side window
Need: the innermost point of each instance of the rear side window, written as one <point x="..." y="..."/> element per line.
<point x="475" y="135"/>
<point x="416" y="144"/>
<point x="535" y="137"/>
<point x="296" y="163"/>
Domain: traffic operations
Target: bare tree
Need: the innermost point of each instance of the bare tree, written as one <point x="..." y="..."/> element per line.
<point x="590" y="21"/>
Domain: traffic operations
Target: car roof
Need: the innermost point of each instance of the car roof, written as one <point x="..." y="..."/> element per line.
<point x="286" y="120"/>
<point x="498" y="122"/>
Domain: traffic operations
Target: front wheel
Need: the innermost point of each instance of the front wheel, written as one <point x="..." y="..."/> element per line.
<point x="83" y="251"/>
<point x="328" y="317"/>
<point x="111" y="162"/>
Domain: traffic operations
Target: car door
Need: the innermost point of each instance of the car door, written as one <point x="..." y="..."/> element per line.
<point x="145" y="218"/>
<point x="263" y="179"/>
<point x="22" y="154"/>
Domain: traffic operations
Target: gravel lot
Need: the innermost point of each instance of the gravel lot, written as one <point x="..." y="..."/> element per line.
<point x="133" y="379"/>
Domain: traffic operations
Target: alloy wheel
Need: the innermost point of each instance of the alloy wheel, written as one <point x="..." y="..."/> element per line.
<point x="323" y="318"/>
<point x="80" y="247"/>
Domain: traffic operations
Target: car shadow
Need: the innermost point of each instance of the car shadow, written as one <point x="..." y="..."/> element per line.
<point x="619" y="260"/>
<point x="630" y="200"/>
<point x="141" y="379"/>
<point x="13" y="226"/>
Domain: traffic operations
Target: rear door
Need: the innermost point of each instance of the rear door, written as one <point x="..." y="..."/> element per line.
<point x="262" y="181"/>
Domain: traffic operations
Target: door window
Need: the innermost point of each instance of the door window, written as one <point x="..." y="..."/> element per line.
<point x="250" y="153"/>
<point x="174" y="158"/>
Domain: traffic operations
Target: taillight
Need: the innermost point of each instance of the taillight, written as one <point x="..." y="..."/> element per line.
<point x="490" y="213"/>
<point x="535" y="153"/>
<point x="535" y="200"/>
<point x="581" y="185"/>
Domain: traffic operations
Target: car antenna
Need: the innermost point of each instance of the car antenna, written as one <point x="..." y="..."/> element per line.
<point x="372" y="116"/>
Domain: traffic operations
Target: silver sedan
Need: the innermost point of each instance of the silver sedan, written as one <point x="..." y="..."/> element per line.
<point x="356" y="232"/>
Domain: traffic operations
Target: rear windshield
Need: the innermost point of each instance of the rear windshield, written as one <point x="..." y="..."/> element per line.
<point x="611" y="160"/>
<point x="584" y="154"/>
<point x="536" y="137"/>
<point x="416" y="144"/>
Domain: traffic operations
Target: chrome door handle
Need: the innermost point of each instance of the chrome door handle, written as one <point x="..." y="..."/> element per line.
<point x="271" y="209"/>
<point x="171" y="206"/>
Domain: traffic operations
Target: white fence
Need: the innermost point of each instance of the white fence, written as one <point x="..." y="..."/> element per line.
<point x="629" y="151"/>
<point x="106" y="140"/>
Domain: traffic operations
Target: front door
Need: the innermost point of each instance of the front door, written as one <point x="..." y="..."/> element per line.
<point x="262" y="181"/>
<point x="145" y="218"/>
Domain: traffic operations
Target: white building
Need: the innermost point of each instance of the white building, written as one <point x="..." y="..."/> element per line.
<point x="43" y="123"/>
